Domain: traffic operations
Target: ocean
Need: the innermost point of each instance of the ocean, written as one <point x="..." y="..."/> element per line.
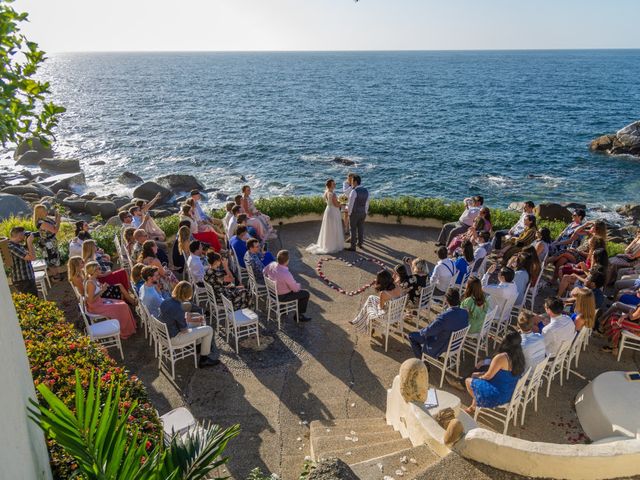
<point x="509" y="125"/>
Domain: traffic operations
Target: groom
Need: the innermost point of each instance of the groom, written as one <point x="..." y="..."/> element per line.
<point x="358" y="208"/>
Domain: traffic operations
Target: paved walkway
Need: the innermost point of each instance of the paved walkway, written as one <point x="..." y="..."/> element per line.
<point x="323" y="369"/>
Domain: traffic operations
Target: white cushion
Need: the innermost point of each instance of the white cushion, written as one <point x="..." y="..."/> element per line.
<point x="105" y="328"/>
<point x="245" y="316"/>
<point x="177" y="420"/>
<point x="39" y="264"/>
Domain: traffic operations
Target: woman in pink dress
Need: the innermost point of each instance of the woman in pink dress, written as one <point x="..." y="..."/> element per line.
<point x="116" y="309"/>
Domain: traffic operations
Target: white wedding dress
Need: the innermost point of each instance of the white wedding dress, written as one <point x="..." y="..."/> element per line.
<point x="331" y="237"/>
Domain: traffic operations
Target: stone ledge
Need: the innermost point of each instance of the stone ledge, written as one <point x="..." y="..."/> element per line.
<point x="387" y="220"/>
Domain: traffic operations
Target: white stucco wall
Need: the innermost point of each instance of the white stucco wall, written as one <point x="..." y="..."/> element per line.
<point x="23" y="452"/>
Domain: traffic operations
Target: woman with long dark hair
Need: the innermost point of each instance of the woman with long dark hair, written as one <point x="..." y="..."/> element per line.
<point x="475" y="302"/>
<point x="375" y="305"/>
<point x="495" y="386"/>
<point x="464" y="261"/>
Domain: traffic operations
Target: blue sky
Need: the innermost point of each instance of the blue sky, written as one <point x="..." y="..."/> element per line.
<point x="161" y="25"/>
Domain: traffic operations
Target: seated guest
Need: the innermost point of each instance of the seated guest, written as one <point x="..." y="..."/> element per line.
<point x="577" y="274"/>
<point x="194" y="263"/>
<point x="180" y="248"/>
<point x="200" y="214"/>
<point x="482" y="248"/>
<point x="375" y="305"/>
<point x="250" y="209"/>
<point x="526" y="238"/>
<point x="225" y="221"/>
<point x="140" y="236"/>
<point x="75" y="245"/>
<point x="533" y="346"/>
<point x="533" y="266"/>
<point x="558" y="328"/>
<point x="476" y="303"/>
<point x="503" y="294"/>
<point x="250" y="223"/>
<point x="417" y="280"/>
<point x="75" y="273"/>
<point x="207" y="236"/>
<point x="571" y="234"/>
<point x="595" y="282"/>
<point x="577" y="255"/>
<point x="521" y="264"/>
<point x="515" y="231"/>
<point x="442" y="273"/>
<point x="221" y="279"/>
<point x="288" y="289"/>
<point x="465" y="261"/>
<point x="116" y="309"/>
<point x="232" y="223"/>
<point x="118" y="277"/>
<point x="495" y="386"/>
<point x="205" y="225"/>
<point x="127" y="239"/>
<point x="616" y="324"/>
<point x="126" y="219"/>
<point x="472" y="234"/>
<point x="472" y="208"/>
<point x="239" y="243"/>
<point x="542" y="243"/>
<point x="584" y="308"/>
<point x="630" y="258"/>
<point x="151" y="293"/>
<point x="434" y="338"/>
<point x="255" y="257"/>
<point x="136" y="277"/>
<point x="143" y="219"/>
<point x="149" y="256"/>
<point x="184" y="327"/>
<point x="400" y="274"/>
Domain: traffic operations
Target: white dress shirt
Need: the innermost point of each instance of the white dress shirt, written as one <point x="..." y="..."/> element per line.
<point x="352" y="199"/>
<point x="225" y="220"/>
<point x="503" y="294"/>
<point x="518" y="228"/>
<point x="231" y="226"/>
<point x="442" y="273"/>
<point x="346" y="188"/>
<point x="534" y="349"/>
<point x="196" y="268"/>
<point x="469" y="215"/>
<point x="560" y="329"/>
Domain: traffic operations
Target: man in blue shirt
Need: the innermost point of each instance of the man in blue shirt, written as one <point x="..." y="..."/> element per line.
<point x="239" y="243"/>
<point x="151" y="293"/>
<point x="434" y="339"/>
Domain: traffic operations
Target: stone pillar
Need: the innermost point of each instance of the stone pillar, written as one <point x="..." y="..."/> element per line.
<point x="24" y="452"/>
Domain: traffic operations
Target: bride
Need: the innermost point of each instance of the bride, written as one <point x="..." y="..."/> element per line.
<point x="331" y="237"/>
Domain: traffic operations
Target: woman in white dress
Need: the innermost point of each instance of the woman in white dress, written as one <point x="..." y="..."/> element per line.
<point x="331" y="237"/>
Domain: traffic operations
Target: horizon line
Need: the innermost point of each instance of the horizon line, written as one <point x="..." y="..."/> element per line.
<point x="360" y="50"/>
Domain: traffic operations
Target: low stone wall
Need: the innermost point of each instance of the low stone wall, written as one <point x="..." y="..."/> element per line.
<point x="534" y="459"/>
<point x="389" y="220"/>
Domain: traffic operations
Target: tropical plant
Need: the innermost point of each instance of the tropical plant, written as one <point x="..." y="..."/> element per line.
<point x="95" y="434"/>
<point x="169" y="225"/>
<point x="24" y="110"/>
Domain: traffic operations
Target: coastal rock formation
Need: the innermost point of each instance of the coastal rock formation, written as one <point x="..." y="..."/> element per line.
<point x="553" y="211"/>
<point x="344" y="161"/>
<point x="414" y="380"/>
<point x="120" y="201"/>
<point x="631" y="211"/>
<point x="98" y="162"/>
<point x="33" y="144"/>
<point x="332" y="469"/>
<point x="34" y="189"/>
<point x="30" y="158"/>
<point x="128" y="178"/>
<point x="75" y="204"/>
<point x="64" y="181"/>
<point x="148" y="190"/>
<point x="625" y="141"/>
<point x="180" y="183"/>
<point x="62" y="165"/>
<point x="104" y="208"/>
<point x="13" y="205"/>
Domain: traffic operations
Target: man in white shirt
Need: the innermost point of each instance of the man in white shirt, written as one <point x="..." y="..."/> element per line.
<point x="505" y="293"/>
<point x="194" y="263"/>
<point x="442" y="273"/>
<point x="527" y="209"/>
<point x="228" y="216"/>
<point x="233" y="221"/>
<point x="560" y="327"/>
<point x="472" y="208"/>
<point x="533" y="345"/>
<point x="482" y="249"/>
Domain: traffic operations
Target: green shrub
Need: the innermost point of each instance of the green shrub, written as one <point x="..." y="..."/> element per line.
<point x="615" y="248"/>
<point x="56" y="350"/>
<point x="555" y="226"/>
<point x="104" y="238"/>
<point x="169" y="225"/>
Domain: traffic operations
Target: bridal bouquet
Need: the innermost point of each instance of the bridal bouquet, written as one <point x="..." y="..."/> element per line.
<point x="343" y="199"/>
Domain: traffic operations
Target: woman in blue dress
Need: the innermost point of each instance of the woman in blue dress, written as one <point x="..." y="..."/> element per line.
<point x="495" y="386"/>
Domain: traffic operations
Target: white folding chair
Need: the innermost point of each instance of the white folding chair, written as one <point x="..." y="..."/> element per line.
<point x="465" y="277"/>
<point x="501" y="323"/>
<point x="393" y="318"/>
<point x="240" y="271"/>
<point x="477" y="342"/>
<point x="508" y="411"/>
<point x="482" y="267"/>
<point x="556" y="365"/>
<point x="215" y="310"/>
<point x="41" y="283"/>
<point x="240" y="323"/>
<point x="256" y="290"/>
<point x="574" y="351"/>
<point x="451" y="357"/>
<point x="629" y="341"/>
<point x="277" y="307"/>
<point x="166" y="351"/>
<point x="517" y="307"/>
<point x="40" y="265"/>
<point x="532" y="387"/>
<point x="101" y="329"/>
<point x="438" y="300"/>
<point x="424" y="304"/>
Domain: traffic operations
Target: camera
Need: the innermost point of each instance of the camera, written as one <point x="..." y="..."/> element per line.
<point x="35" y="234"/>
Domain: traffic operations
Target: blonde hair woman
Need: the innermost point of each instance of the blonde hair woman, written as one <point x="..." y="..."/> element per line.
<point x="75" y="273"/>
<point x="118" y="278"/>
<point x="584" y="309"/>
<point x="204" y="235"/>
<point x="116" y="309"/>
<point x="48" y="228"/>
<point x="184" y="239"/>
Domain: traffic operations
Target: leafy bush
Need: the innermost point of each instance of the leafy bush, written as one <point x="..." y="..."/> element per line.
<point x="169" y="225"/>
<point x="615" y="248"/>
<point x="56" y="350"/>
<point x="104" y="238"/>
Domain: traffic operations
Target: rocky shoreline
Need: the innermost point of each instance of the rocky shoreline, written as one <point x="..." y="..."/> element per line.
<point x="625" y="141"/>
<point x="61" y="181"/>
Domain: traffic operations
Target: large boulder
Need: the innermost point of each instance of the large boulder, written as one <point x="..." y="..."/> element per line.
<point x="75" y="204"/>
<point x="65" y="181"/>
<point x="12" y="205"/>
<point x="414" y="380"/>
<point x="625" y="141"/>
<point x="63" y="165"/>
<point x="632" y="211"/>
<point x="33" y="144"/>
<point x="332" y="469"/>
<point x="128" y="178"/>
<point x="553" y="211"/>
<point x="34" y="189"/>
<point x="30" y="157"/>
<point x="180" y="183"/>
<point x="114" y="221"/>
<point x="104" y="208"/>
<point x="120" y="201"/>
<point x="148" y="190"/>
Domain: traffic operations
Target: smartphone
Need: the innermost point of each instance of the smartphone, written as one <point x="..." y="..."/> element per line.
<point x="633" y="376"/>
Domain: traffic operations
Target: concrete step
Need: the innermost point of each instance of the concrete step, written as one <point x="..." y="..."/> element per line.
<point x="356" y="454"/>
<point x="319" y="431"/>
<point x="362" y="423"/>
<point x="455" y="466"/>
<point x="348" y="440"/>
<point x="405" y="464"/>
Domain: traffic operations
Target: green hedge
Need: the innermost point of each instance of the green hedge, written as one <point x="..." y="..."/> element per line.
<point x="56" y="350"/>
